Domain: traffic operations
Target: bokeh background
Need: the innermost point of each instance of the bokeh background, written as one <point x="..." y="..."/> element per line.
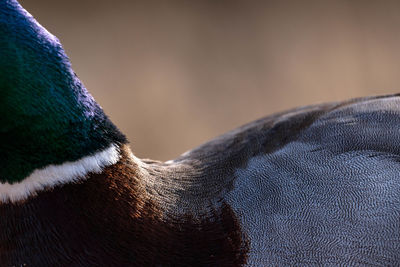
<point x="174" y="74"/>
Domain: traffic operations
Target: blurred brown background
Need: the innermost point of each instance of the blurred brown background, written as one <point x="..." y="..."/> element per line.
<point x="174" y="74"/>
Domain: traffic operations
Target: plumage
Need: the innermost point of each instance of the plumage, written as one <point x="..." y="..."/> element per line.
<point x="317" y="185"/>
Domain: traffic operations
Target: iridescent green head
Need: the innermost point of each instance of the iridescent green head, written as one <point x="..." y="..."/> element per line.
<point x="46" y="114"/>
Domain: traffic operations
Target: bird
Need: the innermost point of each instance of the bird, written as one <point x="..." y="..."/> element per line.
<point x="312" y="186"/>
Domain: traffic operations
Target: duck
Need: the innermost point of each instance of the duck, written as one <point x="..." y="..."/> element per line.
<point x="312" y="186"/>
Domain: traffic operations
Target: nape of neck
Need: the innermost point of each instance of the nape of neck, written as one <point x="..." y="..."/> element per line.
<point x="57" y="175"/>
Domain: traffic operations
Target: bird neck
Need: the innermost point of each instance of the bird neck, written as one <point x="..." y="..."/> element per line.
<point x="47" y="117"/>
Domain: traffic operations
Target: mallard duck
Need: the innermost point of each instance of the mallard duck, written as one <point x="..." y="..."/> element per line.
<point x="313" y="186"/>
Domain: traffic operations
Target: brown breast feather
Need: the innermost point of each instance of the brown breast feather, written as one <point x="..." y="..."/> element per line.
<point x="110" y="220"/>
